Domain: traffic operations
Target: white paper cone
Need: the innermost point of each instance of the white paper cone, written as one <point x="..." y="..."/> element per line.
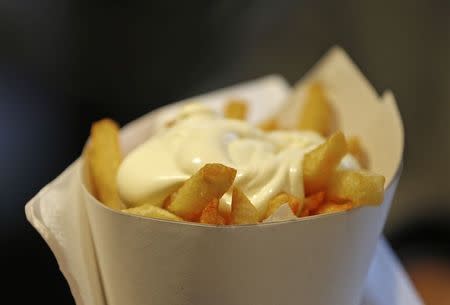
<point x="320" y="260"/>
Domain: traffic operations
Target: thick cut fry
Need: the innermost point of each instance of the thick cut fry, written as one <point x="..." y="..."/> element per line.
<point x="236" y="109"/>
<point x="170" y="198"/>
<point x="279" y="200"/>
<point x="103" y="157"/>
<point x="357" y="150"/>
<point x="316" y="114"/>
<point x="210" y="182"/>
<point x="359" y="187"/>
<point x="225" y="212"/>
<point x="268" y="125"/>
<point x="242" y="210"/>
<point x="320" y="163"/>
<point x="311" y="204"/>
<point x="151" y="211"/>
<point x="211" y="215"/>
<point x="331" y="207"/>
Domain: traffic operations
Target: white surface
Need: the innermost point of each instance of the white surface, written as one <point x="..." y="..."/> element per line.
<point x="387" y="283"/>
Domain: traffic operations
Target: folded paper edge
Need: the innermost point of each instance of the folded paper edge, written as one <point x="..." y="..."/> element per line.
<point x="276" y="79"/>
<point x="341" y="60"/>
<point x="164" y="113"/>
<point x="388" y="98"/>
<point x="334" y="54"/>
<point x="49" y="238"/>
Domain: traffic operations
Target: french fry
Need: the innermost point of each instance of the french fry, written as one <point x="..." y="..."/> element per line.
<point x="210" y="182"/>
<point x="320" y="163"/>
<point x="331" y="207"/>
<point x="359" y="187"/>
<point x="151" y="211"/>
<point x="311" y="204"/>
<point x="356" y="149"/>
<point x="279" y="200"/>
<point x="236" y="109"/>
<point x="103" y="157"/>
<point x="211" y="215"/>
<point x="225" y="212"/>
<point x="169" y="199"/>
<point x="268" y="124"/>
<point x="242" y="210"/>
<point x="316" y="113"/>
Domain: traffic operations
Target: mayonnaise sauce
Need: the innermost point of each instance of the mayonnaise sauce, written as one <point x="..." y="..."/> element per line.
<point x="267" y="163"/>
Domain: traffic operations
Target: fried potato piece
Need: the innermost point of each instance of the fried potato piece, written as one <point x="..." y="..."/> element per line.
<point x="225" y="212"/>
<point x="236" y="109"/>
<point x="211" y="215"/>
<point x="279" y="200"/>
<point x="320" y="163"/>
<point x="359" y="187"/>
<point x="311" y="204"/>
<point x="332" y="207"/>
<point x="242" y="210"/>
<point x="169" y="199"/>
<point x="358" y="151"/>
<point x="210" y="182"/>
<point x="317" y="113"/>
<point x="268" y="124"/>
<point x="103" y="157"/>
<point x="151" y="211"/>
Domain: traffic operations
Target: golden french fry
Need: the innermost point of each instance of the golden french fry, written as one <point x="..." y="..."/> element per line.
<point x="169" y="199"/>
<point x="210" y="182"/>
<point x="236" y="109"/>
<point x="279" y="200"/>
<point x="151" y="211"/>
<point x="225" y="212"/>
<point x="268" y="124"/>
<point x="359" y="187"/>
<point x="320" y="163"/>
<point x="242" y="210"/>
<point x="311" y="204"/>
<point x="211" y="215"/>
<point x="331" y="207"/>
<point x="317" y="113"/>
<point x="103" y="157"/>
<point x="356" y="149"/>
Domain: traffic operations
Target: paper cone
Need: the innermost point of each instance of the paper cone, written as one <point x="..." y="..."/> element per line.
<point x="319" y="260"/>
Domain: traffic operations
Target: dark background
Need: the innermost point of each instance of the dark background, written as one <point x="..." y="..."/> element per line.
<point x="65" y="63"/>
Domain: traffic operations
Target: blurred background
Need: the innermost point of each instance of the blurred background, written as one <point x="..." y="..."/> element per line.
<point x="66" y="63"/>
